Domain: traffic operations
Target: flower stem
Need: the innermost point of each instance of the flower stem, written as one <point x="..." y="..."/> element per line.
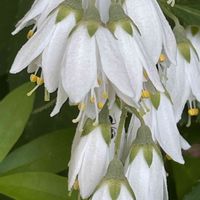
<point x="120" y="131"/>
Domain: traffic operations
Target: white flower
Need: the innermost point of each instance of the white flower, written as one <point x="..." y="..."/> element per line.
<point x="155" y="29"/>
<point x="183" y="82"/>
<point x="148" y="182"/>
<point x="114" y="185"/>
<point x="89" y="162"/>
<point x="37" y="14"/>
<point x="164" y="130"/>
<point x="48" y="43"/>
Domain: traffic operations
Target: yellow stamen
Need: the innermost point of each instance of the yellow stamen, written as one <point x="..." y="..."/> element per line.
<point x="40" y="81"/>
<point x="33" y="78"/>
<point x="145" y="94"/>
<point x="168" y="157"/>
<point x="92" y="99"/>
<point x="30" y="34"/>
<point x="100" y="105"/>
<point x="193" y="112"/>
<point x="105" y="95"/>
<point x="162" y="58"/>
<point x="81" y="106"/>
<point x="76" y="185"/>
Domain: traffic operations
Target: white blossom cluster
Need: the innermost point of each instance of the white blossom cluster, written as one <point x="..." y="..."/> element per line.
<point x="113" y="57"/>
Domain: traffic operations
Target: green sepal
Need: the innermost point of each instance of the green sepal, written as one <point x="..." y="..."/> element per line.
<point x="88" y="127"/>
<point x="92" y="27"/>
<point x="155" y="99"/>
<point x="133" y="153"/>
<point x="114" y="189"/>
<point x="69" y="7"/>
<point x="148" y="154"/>
<point x="184" y="49"/>
<point x="126" y="25"/>
<point x="166" y="93"/>
<point x="106" y="132"/>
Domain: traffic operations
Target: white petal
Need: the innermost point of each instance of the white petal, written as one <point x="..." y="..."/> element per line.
<point x="60" y="100"/>
<point x="77" y="160"/>
<point x="167" y="133"/>
<point x="112" y="62"/>
<point x="34" y="47"/>
<point x="134" y="67"/>
<point x="103" y="6"/>
<point x="156" y="186"/>
<point x="169" y="40"/>
<point x="36" y="9"/>
<point x="95" y="163"/>
<point x="52" y="4"/>
<point x="124" y="194"/>
<point x="79" y="73"/>
<point x="143" y="13"/>
<point x="102" y="193"/>
<point x="184" y="144"/>
<point x="138" y="176"/>
<point x="53" y="53"/>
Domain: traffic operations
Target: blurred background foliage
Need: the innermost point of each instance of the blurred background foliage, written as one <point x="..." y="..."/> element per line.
<point x="35" y="149"/>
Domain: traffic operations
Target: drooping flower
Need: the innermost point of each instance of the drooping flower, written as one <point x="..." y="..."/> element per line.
<point x="163" y="127"/>
<point x="114" y="185"/>
<point x="50" y="39"/>
<point x="183" y="78"/>
<point x="37" y="14"/>
<point x="144" y="167"/>
<point x="90" y="155"/>
<point x="155" y="30"/>
<point x="133" y="52"/>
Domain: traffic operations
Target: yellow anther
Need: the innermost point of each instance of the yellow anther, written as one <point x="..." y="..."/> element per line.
<point x="92" y="99"/>
<point x="81" y="106"/>
<point x="168" y="157"/>
<point x="33" y="78"/>
<point x="105" y="95"/>
<point x="99" y="81"/>
<point x="193" y="112"/>
<point x="40" y="81"/>
<point x="162" y="58"/>
<point x="145" y="94"/>
<point x="76" y="185"/>
<point x="100" y="105"/>
<point x="30" y="34"/>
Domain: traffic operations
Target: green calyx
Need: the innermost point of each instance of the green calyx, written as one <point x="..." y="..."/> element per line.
<point x="145" y="143"/>
<point x="115" y="178"/>
<point x="92" y="19"/>
<point x="119" y="18"/>
<point x="104" y="125"/>
<point x="155" y="96"/>
<point x="183" y="43"/>
<point x="194" y="30"/>
<point x="68" y="7"/>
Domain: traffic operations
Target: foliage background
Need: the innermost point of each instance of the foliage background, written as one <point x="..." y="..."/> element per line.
<point x="35" y="149"/>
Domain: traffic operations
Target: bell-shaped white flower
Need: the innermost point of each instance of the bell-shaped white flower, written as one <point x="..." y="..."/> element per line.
<point x="145" y="169"/>
<point x="90" y="155"/>
<point x="37" y="14"/>
<point x="164" y="129"/>
<point x="154" y="28"/>
<point x="48" y="43"/>
<point x="114" y="185"/>
<point x="89" y="162"/>
<point x="133" y="52"/>
<point x="183" y="78"/>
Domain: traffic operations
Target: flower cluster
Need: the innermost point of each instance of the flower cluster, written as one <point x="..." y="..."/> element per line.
<point x="111" y="58"/>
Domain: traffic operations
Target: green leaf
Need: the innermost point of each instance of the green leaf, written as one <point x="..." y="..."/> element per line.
<point x="34" y="186"/>
<point x="189" y="13"/>
<point x="48" y="153"/>
<point x="15" y="110"/>
<point x="194" y="194"/>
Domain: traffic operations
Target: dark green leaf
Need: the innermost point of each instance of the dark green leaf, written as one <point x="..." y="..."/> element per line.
<point x="49" y="153"/>
<point x="15" y="110"/>
<point x="194" y="194"/>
